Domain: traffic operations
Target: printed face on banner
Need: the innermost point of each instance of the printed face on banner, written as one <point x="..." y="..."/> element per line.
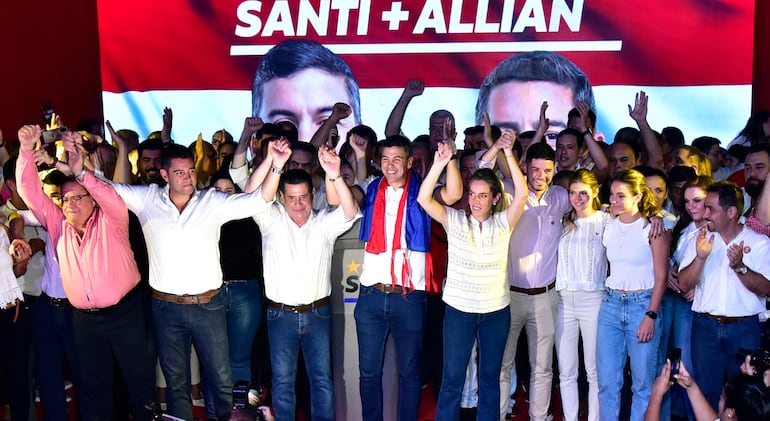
<point x="516" y="105"/>
<point x="449" y="45"/>
<point x="306" y="99"/>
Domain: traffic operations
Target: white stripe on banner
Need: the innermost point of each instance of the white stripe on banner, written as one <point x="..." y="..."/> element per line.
<point x="719" y="111"/>
<point x="448" y="47"/>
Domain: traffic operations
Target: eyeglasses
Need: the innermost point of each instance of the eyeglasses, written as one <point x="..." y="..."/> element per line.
<point x="74" y="199"/>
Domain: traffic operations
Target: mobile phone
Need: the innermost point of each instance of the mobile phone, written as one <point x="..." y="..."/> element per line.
<point x="51" y="136"/>
<point x="675" y="356"/>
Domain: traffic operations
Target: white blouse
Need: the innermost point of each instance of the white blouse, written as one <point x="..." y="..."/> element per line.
<point x="582" y="263"/>
<point x="630" y="255"/>
<point x="477" y="262"/>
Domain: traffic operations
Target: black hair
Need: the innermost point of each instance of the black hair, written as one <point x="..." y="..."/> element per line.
<point x="228" y="138"/>
<point x="759" y="147"/>
<point x="753" y="130"/>
<point x="223" y="174"/>
<point x="540" y="150"/>
<point x="535" y="66"/>
<point x="636" y="148"/>
<point x="295" y="176"/>
<point x="705" y="143"/>
<point x="151" y="145"/>
<point x="56" y="178"/>
<point x="573" y="132"/>
<point x="591" y="116"/>
<point x="293" y="56"/>
<point x="395" y="141"/>
<point x="729" y="195"/>
<point x="174" y="151"/>
<point x="681" y="173"/>
<point x="495" y="186"/>
<point x="673" y="136"/>
<point x="748" y="397"/>
<point x="648" y="171"/>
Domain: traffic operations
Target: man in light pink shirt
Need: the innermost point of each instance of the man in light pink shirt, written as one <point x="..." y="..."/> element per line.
<point x="99" y="274"/>
<point x="532" y="278"/>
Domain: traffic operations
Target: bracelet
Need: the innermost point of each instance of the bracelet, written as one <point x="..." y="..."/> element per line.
<point x="588" y="131"/>
<point x="276" y="170"/>
<point x="333" y="179"/>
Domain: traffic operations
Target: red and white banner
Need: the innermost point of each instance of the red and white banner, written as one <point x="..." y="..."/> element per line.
<point x="693" y="57"/>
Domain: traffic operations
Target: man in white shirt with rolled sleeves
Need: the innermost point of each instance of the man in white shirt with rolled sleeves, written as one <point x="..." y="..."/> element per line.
<point x="182" y="227"/>
<point x="729" y="269"/>
<point x="298" y="244"/>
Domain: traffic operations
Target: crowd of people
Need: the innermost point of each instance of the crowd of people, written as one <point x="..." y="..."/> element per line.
<point x="127" y="254"/>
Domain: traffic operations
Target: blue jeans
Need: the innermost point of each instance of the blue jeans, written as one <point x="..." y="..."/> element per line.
<point x="619" y="318"/>
<point x="54" y="348"/>
<point x="243" y="309"/>
<point x="177" y="326"/>
<point x="378" y="314"/>
<point x="287" y="331"/>
<point x="716" y="346"/>
<point x="462" y="329"/>
<point x="243" y="306"/>
<point x="676" y="332"/>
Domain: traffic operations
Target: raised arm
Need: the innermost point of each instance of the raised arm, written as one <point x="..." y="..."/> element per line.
<point x="542" y="126"/>
<point x="425" y="198"/>
<point x="330" y="163"/>
<point x="250" y="126"/>
<point x="321" y="136"/>
<point x="602" y="166"/>
<point x="123" y="165"/>
<point x="360" y="167"/>
<point x="168" y="120"/>
<point x="502" y="164"/>
<point x="278" y="152"/>
<point x="453" y="189"/>
<point x="413" y="88"/>
<point x="28" y="181"/>
<point x="651" y="145"/>
<point x="102" y="192"/>
<point x="520" y="193"/>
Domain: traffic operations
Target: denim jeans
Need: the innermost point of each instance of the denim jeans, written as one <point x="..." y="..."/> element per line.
<point x="177" y="326"/>
<point x="287" y="331"/>
<point x="377" y="314"/>
<point x="578" y="316"/>
<point x="676" y="332"/>
<point x="716" y="346"/>
<point x="54" y="341"/>
<point x="462" y="329"/>
<point x="619" y="318"/>
<point x="243" y="306"/>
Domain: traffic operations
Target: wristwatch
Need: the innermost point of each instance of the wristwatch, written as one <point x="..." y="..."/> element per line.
<point x="651" y="314"/>
<point x="742" y="270"/>
<point x="588" y="131"/>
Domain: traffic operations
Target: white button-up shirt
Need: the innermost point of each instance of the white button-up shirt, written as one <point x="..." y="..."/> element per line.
<point x="719" y="291"/>
<point x="297" y="260"/>
<point x="183" y="248"/>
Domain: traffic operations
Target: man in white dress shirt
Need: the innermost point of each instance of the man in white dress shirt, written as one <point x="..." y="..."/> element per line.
<point x="297" y="247"/>
<point x="729" y="270"/>
<point x="182" y="227"/>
